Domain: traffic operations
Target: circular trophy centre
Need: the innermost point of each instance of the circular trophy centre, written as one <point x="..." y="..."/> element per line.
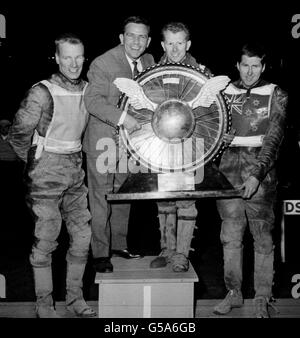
<point x="173" y="121"/>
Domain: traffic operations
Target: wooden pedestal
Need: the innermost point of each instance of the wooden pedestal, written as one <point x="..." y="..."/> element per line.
<point x="134" y="290"/>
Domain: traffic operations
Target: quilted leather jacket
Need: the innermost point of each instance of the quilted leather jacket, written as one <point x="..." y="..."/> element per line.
<point x="267" y="154"/>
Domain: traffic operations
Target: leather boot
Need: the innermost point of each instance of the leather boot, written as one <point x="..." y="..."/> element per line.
<point x="233" y="263"/>
<point x="263" y="282"/>
<point x="187" y="214"/>
<point x="74" y="298"/>
<point x="43" y="290"/>
<point x="167" y="224"/>
<point x="233" y="268"/>
<point x="232" y="300"/>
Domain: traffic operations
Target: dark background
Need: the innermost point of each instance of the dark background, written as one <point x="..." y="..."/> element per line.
<point x="26" y="56"/>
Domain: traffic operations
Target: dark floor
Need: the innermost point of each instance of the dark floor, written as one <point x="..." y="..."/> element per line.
<point x="16" y="239"/>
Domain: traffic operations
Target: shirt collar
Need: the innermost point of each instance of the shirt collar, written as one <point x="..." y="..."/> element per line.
<point x="139" y="63"/>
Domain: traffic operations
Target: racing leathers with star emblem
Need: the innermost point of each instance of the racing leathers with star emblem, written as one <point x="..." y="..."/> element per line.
<point x="258" y="116"/>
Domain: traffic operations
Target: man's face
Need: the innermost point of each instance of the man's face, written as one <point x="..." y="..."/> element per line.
<point x="70" y="59"/>
<point x="175" y="45"/>
<point x="135" y="39"/>
<point x="250" y="69"/>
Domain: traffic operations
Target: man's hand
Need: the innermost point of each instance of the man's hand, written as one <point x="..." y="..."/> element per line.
<point x="250" y="185"/>
<point x="227" y="138"/>
<point x="131" y="124"/>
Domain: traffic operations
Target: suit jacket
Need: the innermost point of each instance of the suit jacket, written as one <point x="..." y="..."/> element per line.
<point x="102" y="96"/>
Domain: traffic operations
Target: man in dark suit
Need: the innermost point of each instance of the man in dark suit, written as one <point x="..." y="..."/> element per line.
<point x="110" y="221"/>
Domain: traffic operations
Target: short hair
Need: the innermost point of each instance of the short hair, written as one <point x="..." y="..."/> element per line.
<point x="251" y="49"/>
<point x="136" y="19"/>
<point x="175" y="27"/>
<point x="67" y="37"/>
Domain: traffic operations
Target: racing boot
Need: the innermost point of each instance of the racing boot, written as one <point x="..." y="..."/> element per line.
<point x="233" y="259"/>
<point x="74" y="298"/>
<point x="43" y="289"/>
<point x="263" y="281"/>
<point x="187" y="214"/>
<point x="167" y="224"/>
<point x="233" y="299"/>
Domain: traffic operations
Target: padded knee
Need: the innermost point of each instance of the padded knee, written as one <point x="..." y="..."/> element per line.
<point x="232" y="233"/>
<point x="167" y="207"/>
<point x="261" y="232"/>
<point x="189" y="213"/>
<point x="80" y="242"/>
<point x="39" y="259"/>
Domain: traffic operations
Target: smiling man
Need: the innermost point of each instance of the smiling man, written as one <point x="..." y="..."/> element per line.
<point x="46" y="134"/>
<point x="250" y="68"/>
<point x="110" y="221"/>
<point x="258" y="111"/>
<point x="70" y="59"/>
<point x="176" y="43"/>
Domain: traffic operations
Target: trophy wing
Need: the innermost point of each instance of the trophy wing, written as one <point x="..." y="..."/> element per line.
<point x="209" y="91"/>
<point x="135" y="93"/>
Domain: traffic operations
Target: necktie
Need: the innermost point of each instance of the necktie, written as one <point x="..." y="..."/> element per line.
<point x="135" y="69"/>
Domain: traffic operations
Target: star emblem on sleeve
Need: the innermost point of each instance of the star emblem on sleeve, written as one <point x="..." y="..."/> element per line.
<point x="255" y="103"/>
<point x="248" y="112"/>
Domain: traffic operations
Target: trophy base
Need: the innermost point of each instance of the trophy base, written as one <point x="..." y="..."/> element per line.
<point x="149" y="186"/>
